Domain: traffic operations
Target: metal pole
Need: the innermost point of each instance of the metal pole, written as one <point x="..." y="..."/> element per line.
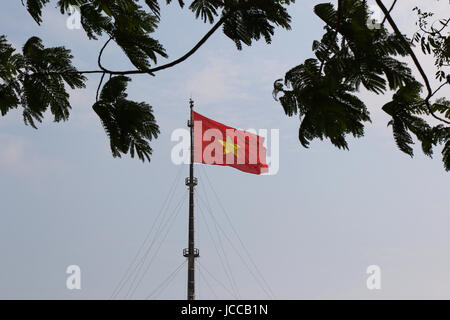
<point x="191" y="252"/>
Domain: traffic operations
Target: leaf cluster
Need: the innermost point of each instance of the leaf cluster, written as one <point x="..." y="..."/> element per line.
<point x="129" y="125"/>
<point x="36" y="80"/>
<point x="351" y="55"/>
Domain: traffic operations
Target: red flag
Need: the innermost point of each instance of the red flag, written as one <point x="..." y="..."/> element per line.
<point x="218" y="144"/>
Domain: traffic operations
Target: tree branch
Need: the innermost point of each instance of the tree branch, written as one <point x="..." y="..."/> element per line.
<point x="440" y="87"/>
<point x="414" y="58"/>
<point x="231" y="9"/>
<point x="165" y="66"/>
<point x="100" y="56"/>
<point x="99" y="86"/>
<point x="151" y="70"/>
<point x="390" y="10"/>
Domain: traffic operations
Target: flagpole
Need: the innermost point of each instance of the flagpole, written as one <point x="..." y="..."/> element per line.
<point x="191" y="252"/>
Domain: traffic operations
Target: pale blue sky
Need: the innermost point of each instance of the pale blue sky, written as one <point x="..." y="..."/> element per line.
<point x="312" y="229"/>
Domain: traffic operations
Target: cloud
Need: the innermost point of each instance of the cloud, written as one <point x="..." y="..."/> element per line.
<point x="82" y="115"/>
<point x="223" y="79"/>
<point x="11" y="151"/>
<point x="18" y="159"/>
<point x="218" y="80"/>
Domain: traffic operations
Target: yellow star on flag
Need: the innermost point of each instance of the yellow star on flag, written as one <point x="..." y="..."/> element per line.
<point x="230" y="146"/>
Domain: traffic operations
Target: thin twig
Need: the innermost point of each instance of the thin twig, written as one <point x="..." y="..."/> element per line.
<point x="440" y="87"/>
<point x="165" y="66"/>
<point x="231" y="10"/>
<point x="99" y="85"/>
<point x="435" y="31"/>
<point x="390" y="10"/>
<point x="99" y="62"/>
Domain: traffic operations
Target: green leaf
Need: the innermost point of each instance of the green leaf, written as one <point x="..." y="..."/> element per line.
<point x="206" y="9"/>
<point x="180" y="2"/>
<point x="10" y="64"/>
<point x="253" y="20"/>
<point x="37" y="80"/>
<point x="406" y="104"/>
<point x="446" y="155"/>
<point x="129" y="125"/>
<point x="34" y="7"/>
<point x="326" y="107"/>
<point x="401" y="136"/>
<point x="154" y="6"/>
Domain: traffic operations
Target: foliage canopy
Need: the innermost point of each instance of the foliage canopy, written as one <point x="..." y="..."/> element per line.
<point x="322" y="90"/>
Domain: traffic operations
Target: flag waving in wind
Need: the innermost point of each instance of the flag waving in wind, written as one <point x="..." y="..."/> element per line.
<point x="218" y="144"/>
